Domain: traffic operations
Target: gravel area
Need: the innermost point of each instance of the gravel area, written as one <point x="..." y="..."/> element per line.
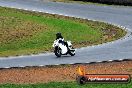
<point x="61" y="73"/>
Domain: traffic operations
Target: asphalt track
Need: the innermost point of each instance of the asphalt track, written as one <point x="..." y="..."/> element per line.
<point x="116" y="50"/>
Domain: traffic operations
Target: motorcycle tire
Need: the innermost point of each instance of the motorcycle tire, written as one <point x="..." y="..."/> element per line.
<point x="57" y="52"/>
<point x="72" y="53"/>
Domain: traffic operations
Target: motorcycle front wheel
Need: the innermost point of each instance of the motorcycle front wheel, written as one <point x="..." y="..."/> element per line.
<point x="57" y="52"/>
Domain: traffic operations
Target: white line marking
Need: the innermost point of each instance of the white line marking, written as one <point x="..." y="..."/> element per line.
<point x="7" y="67"/>
<point x="41" y="65"/>
<point x="99" y="61"/>
<point x="110" y="60"/>
<point x="120" y="59"/>
<point x="22" y="66"/>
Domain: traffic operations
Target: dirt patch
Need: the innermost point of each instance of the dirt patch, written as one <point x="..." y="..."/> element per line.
<point x="14" y="29"/>
<point x="61" y="73"/>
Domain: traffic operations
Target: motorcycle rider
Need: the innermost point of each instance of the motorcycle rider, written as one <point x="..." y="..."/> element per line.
<point x="59" y="36"/>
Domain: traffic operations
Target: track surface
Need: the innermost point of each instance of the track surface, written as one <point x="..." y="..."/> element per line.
<point x="120" y="49"/>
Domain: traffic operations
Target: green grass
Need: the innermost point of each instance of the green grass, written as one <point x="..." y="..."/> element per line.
<point x="80" y="2"/>
<point x="66" y="85"/>
<point x="94" y="3"/>
<point x="24" y="32"/>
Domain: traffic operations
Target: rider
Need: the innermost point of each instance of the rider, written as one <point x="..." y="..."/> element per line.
<point x="59" y="36"/>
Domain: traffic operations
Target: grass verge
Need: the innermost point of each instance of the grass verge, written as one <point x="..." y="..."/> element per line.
<point x="24" y="32"/>
<point x="93" y="2"/>
<point x="80" y="2"/>
<point x="66" y="85"/>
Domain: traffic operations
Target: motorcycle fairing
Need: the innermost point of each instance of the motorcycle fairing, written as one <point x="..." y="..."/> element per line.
<point x="63" y="48"/>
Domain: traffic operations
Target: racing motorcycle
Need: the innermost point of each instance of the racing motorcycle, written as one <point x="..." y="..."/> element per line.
<point x="60" y="48"/>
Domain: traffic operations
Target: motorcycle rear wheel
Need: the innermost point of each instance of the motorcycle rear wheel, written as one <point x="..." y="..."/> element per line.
<point x="72" y="53"/>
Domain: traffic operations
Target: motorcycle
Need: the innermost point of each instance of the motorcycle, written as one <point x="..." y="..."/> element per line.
<point x="60" y="48"/>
